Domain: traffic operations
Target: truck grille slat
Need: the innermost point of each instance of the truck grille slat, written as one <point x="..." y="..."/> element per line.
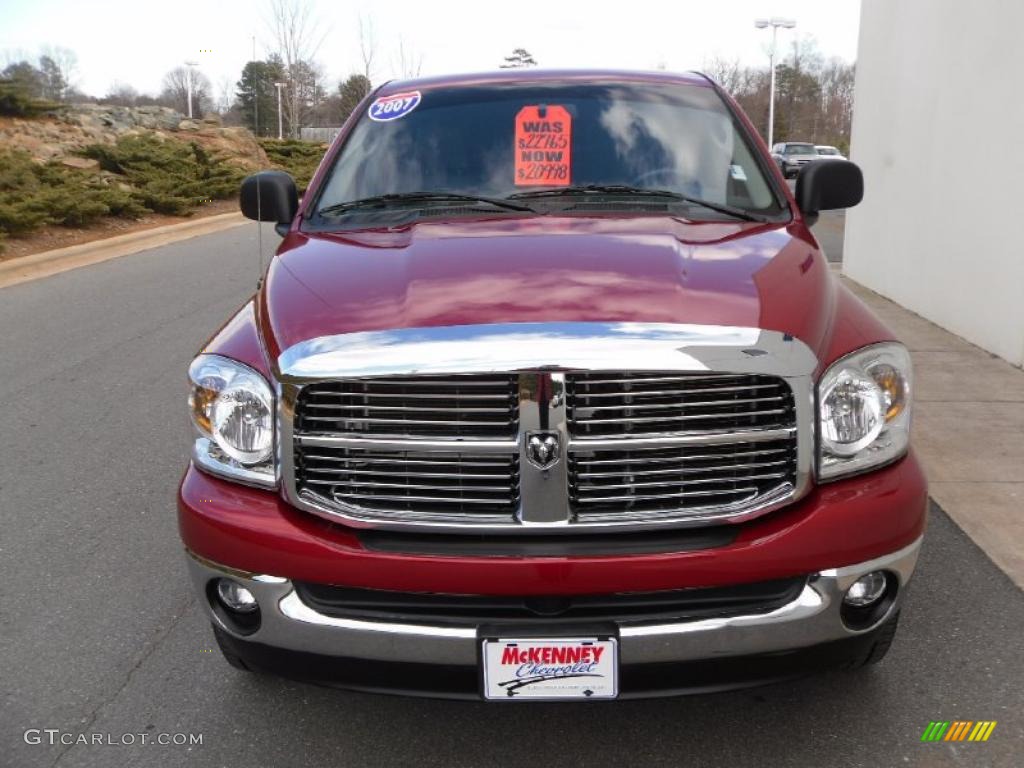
<point x="418" y="422"/>
<point x="428" y="499"/>
<point x="405" y="408"/>
<point x="390" y="463"/>
<point x="386" y="473"/>
<point x="652" y="419"/>
<point x="665" y="483"/>
<point x="409" y="382"/>
<point x="681" y="405"/>
<point x="677" y="392"/>
<point x="629" y="497"/>
<point x="586" y="462"/>
<point x="688" y="470"/>
<point x="370" y="484"/>
<point x="640" y="378"/>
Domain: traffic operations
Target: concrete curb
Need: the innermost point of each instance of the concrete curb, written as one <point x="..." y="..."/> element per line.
<point x="59" y="260"/>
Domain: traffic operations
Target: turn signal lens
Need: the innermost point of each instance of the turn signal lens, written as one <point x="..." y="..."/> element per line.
<point x="200" y="403"/>
<point x="233" y="405"/>
<point x="893" y="386"/>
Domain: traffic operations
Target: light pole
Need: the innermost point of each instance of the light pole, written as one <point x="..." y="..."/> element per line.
<point x="280" y="121"/>
<point x="188" y="84"/>
<point x="774" y="22"/>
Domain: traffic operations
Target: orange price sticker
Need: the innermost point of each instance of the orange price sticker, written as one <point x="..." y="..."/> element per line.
<point x="543" y="146"/>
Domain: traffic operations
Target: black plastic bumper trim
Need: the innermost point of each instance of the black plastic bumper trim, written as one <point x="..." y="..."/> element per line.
<point x="550" y="545"/>
<point x="635" y="681"/>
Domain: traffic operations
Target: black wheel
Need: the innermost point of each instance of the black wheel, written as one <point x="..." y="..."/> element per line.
<point x="883" y="640"/>
<point x="230" y="656"/>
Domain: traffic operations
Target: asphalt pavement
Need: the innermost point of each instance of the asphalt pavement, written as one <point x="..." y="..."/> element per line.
<point x="100" y="632"/>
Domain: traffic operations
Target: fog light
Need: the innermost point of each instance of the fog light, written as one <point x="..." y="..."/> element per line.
<point x="236" y="597"/>
<point x="866" y="590"/>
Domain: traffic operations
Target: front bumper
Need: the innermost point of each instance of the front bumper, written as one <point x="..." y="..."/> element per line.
<point x="837" y="524"/>
<point x="656" y="658"/>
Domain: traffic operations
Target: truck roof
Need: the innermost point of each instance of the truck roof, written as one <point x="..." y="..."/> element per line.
<point x="535" y="75"/>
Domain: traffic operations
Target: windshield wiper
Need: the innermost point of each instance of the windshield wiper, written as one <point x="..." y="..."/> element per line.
<point x="400" y="198"/>
<point x="625" y="190"/>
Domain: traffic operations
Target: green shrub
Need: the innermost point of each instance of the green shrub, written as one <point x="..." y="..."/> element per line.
<point x="168" y="176"/>
<point x="34" y="195"/>
<point x="21" y="207"/>
<point x="298" y="158"/>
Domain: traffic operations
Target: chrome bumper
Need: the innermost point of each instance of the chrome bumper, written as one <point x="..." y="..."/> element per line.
<point x="812" y="618"/>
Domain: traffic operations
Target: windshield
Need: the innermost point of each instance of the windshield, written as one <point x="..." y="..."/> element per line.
<point x="800" y="149"/>
<point x="502" y="140"/>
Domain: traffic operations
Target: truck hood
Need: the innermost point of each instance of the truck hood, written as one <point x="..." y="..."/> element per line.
<point x="507" y="270"/>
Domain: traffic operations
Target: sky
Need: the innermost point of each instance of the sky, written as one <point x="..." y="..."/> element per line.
<point x="137" y="41"/>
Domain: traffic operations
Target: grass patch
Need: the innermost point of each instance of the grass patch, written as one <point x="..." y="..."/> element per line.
<point x="297" y="158"/>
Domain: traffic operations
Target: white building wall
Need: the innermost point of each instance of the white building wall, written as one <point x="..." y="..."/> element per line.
<point x="938" y="129"/>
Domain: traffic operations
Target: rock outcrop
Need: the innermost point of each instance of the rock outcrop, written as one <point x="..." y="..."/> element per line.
<point x="61" y="135"/>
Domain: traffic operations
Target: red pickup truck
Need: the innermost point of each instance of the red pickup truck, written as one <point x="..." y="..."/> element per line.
<point x="549" y="393"/>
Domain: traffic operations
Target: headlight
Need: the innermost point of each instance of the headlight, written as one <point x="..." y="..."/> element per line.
<point x="864" y="410"/>
<point x="232" y="406"/>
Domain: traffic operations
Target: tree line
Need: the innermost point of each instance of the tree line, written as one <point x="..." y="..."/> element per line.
<point x="308" y="98"/>
<point x="813" y="100"/>
<point x="813" y="95"/>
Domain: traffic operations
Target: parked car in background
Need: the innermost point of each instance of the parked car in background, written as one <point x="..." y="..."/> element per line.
<point x="791" y="156"/>
<point x="549" y="393"/>
<point x="832" y="153"/>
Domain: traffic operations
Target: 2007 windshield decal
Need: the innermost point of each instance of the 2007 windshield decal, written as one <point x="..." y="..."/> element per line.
<point x="388" y="108"/>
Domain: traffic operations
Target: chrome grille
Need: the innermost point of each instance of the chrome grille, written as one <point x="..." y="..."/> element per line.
<point x="422" y="406"/>
<point x="402" y="482"/>
<point x="633" y="449"/>
<point x="644" y="482"/>
<point x="405" y="479"/>
<point x="640" y="404"/>
<point x="629" y="477"/>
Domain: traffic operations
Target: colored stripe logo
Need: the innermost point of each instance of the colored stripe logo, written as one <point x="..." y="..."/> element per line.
<point x="958" y="730"/>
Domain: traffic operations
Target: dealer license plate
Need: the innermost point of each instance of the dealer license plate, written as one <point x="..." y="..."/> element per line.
<point x="551" y="668"/>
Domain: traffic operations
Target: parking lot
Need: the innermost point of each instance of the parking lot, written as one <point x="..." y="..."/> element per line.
<point x="100" y="631"/>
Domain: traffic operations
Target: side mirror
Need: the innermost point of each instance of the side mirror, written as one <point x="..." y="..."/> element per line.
<point x="269" y="196"/>
<point x="826" y="185"/>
